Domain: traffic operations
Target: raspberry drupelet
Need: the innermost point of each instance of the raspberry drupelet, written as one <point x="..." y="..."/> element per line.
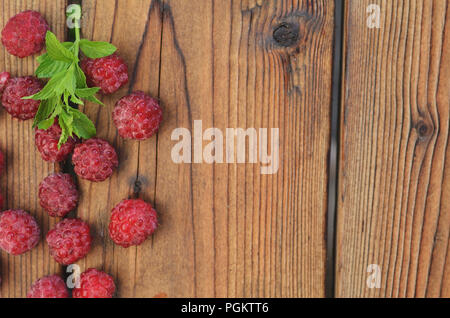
<point x="49" y="287"/>
<point x="58" y="194"/>
<point x="137" y="116"/>
<point x="17" y="88"/>
<point x="95" y="160"/>
<point x="24" y="34"/>
<point x="19" y="232"/>
<point x="47" y="143"/>
<point x="69" y="241"/>
<point x="110" y="73"/>
<point x="132" y="222"/>
<point x="95" y="284"/>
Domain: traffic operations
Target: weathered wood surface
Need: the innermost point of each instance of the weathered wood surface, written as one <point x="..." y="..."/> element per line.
<point x="226" y="230"/>
<point x="394" y="181"/>
<point x="25" y="168"/>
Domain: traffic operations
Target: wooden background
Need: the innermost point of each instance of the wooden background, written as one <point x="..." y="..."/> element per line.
<point x="226" y="230"/>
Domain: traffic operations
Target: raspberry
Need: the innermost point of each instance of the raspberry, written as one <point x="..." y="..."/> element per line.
<point x="2" y="162"/>
<point x="4" y="78"/>
<point x="47" y="143"/>
<point x="69" y="241"/>
<point x="95" y="284"/>
<point x="1" y="202"/>
<point x="58" y="194"/>
<point x="24" y="34"/>
<point x="132" y="222"/>
<point x="137" y="116"/>
<point x="15" y="89"/>
<point x="19" y="232"/>
<point x="95" y="160"/>
<point x="49" y="287"/>
<point x="109" y="73"/>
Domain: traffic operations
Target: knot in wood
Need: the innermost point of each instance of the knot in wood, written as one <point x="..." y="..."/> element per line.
<point x="423" y="129"/>
<point x="286" y="34"/>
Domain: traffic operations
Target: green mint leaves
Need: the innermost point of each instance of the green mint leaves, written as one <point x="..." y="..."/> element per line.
<point x="95" y="50"/>
<point x="67" y="85"/>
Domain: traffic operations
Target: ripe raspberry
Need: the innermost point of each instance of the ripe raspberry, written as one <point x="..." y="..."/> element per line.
<point x="2" y="162"/>
<point x="132" y="222"/>
<point x="47" y="143"/>
<point x="137" y="116"/>
<point x="58" y="194"/>
<point x="24" y="34"/>
<point x="19" y="232"/>
<point x="4" y="78"/>
<point x="95" y="284"/>
<point x="15" y="89"/>
<point x="49" y="287"/>
<point x="109" y="73"/>
<point x="69" y="241"/>
<point x="95" y="160"/>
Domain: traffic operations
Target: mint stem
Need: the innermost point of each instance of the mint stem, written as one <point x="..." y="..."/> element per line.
<point x="77" y="41"/>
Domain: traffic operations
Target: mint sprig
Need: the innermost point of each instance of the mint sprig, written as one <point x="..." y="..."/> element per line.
<point x="67" y="85"/>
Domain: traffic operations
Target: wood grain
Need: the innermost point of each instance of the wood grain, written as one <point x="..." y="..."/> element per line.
<point x="135" y="28"/>
<point x="25" y="168"/>
<point x="393" y="206"/>
<point x="226" y="230"/>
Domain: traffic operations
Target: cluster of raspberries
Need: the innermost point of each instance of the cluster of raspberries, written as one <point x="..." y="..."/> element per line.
<point x="137" y="116"/>
<point x="91" y="284"/>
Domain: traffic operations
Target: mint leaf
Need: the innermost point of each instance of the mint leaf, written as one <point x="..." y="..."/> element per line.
<point x="46" y="124"/>
<point x="87" y="92"/>
<point x="94" y="99"/>
<point x="80" y="77"/>
<point x="58" y="51"/>
<point x="76" y="100"/>
<point x="95" y="50"/>
<point x="46" y="108"/>
<point x="53" y="88"/>
<point x="82" y="125"/>
<point x="48" y="68"/>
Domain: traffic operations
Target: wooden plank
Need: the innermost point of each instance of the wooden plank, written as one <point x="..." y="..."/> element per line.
<point x="25" y="168"/>
<point x="227" y="230"/>
<point x="135" y="28"/>
<point x="393" y="207"/>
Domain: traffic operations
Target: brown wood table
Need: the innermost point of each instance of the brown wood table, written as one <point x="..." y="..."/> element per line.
<point x="226" y="230"/>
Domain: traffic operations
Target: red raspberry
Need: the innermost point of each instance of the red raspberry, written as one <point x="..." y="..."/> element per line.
<point x="47" y="144"/>
<point x="1" y="202"/>
<point x="137" y="116"/>
<point x="95" y="284"/>
<point x="109" y="73"/>
<point x="95" y="160"/>
<point x="2" y="162"/>
<point x="19" y="232"/>
<point x="58" y="194"/>
<point x="4" y="78"/>
<point x="15" y="89"/>
<point x="24" y="34"/>
<point x="69" y="241"/>
<point x="49" y="287"/>
<point x="132" y="222"/>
